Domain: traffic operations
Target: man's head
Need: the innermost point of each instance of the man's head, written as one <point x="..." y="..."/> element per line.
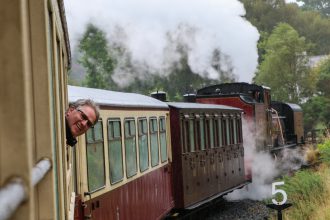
<point x="82" y="115"/>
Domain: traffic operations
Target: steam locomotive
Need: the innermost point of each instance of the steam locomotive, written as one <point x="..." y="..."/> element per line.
<point x="146" y="158"/>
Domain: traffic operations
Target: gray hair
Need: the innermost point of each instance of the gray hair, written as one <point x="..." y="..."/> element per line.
<point x="87" y="102"/>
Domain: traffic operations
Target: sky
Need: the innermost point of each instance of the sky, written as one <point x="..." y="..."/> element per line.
<point x="202" y="25"/>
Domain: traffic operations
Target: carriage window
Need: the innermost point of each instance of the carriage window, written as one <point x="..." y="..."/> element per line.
<point x="220" y="132"/>
<point x="231" y="132"/>
<point x="95" y="157"/>
<point x="154" y="141"/>
<point x="197" y="133"/>
<point x="162" y="136"/>
<point x="191" y="135"/>
<point x="207" y="133"/>
<point x="130" y="148"/>
<point x="239" y="130"/>
<point x="115" y="151"/>
<point x="183" y="136"/>
<point x="143" y="144"/>
<point x="202" y="134"/>
<point x="227" y="132"/>
<point x="211" y="133"/>
<point x="216" y="132"/>
<point x="223" y="127"/>
<point x="235" y="130"/>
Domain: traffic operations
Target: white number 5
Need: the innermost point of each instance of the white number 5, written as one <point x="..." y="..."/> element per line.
<point x="275" y="191"/>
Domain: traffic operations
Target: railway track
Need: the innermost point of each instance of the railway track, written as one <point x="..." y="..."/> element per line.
<point x="227" y="210"/>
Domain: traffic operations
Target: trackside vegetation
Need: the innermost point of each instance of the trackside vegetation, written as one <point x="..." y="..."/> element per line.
<point x="309" y="190"/>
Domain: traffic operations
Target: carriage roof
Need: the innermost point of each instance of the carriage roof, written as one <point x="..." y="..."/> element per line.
<point x="189" y="105"/>
<point x="116" y="99"/>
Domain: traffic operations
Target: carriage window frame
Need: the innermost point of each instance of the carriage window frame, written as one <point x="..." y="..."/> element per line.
<point x="191" y="133"/>
<point x="140" y="133"/>
<point x="88" y="143"/>
<point x="220" y="131"/>
<point x="202" y="133"/>
<point x="153" y="133"/>
<point x="239" y="127"/>
<point x="115" y="138"/>
<point x="235" y="130"/>
<point x="163" y="131"/>
<point x="224" y="130"/>
<point x="216" y="130"/>
<point x="207" y="131"/>
<point x="228" y="138"/>
<point x="182" y="134"/>
<point x="128" y="137"/>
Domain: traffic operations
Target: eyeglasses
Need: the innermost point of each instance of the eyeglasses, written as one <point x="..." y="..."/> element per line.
<point x="84" y="117"/>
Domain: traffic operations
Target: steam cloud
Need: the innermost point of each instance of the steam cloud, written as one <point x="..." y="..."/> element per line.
<point x="264" y="167"/>
<point x="147" y="25"/>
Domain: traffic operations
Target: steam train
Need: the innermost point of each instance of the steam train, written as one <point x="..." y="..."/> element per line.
<point x="273" y="125"/>
<point x="146" y="157"/>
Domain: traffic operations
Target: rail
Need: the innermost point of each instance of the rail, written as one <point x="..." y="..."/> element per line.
<point x="14" y="192"/>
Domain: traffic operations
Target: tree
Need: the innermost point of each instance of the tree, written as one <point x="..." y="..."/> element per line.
<point x="323" y="6"/>
<point x="317" y="108"/>
<point x="284" y="67"/>
<point x="323" y="72"/>
<point x="96" y="59"/>
<point x="266" y="14"/>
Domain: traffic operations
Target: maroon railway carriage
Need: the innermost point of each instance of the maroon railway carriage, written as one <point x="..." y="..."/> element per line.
<point x="207" y="152"/>
<point x="122" y="164"/>
<point x="253" y="99"/>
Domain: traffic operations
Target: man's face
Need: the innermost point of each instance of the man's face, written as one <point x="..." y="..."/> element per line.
<point x="80" y="119"/>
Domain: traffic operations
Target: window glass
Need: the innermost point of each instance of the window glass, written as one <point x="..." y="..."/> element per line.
<point x="202" y="133"/>
<point x="220" y="132"/>
<point x="224" y="132"/>
<point x="115" y="151"/>
<point x="216" y="132"/>
<point x="116" y="129"/>
<point x="130" y="148"/>
<point x="162" y="136"/>
<point x="182" y="135"/>
<point x="89" y="136"/>
<point x="235" y="130"/>
<point x="95" y="158"/>
<point x="207" y="133"/>
<point x="143" y="145"/>
<point x="227" y="132"/>
<point x="154" y="142"/>
<point x="191" y="135"/>
<point x="98" y="132"/>
<point x="211" y="133"/>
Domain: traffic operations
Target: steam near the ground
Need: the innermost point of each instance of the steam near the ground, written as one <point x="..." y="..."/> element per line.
<point x="265" y="167"/>
<point x="150" y="30"/>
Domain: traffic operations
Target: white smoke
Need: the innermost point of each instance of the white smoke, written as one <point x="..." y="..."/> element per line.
<point x="203" y="26"/>
<point x="265" y="167"/>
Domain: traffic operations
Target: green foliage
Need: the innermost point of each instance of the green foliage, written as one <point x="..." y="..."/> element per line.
<point x="324" y="149"/>
<point x="96" y="59"/>
<point x="323" y="6"/>
<point x="266" y="14"/>
<point x="323" y="71"/>
<point x="316" y="109"/>
<point x="284" y="67"/>
<point x="305" y="190"/>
